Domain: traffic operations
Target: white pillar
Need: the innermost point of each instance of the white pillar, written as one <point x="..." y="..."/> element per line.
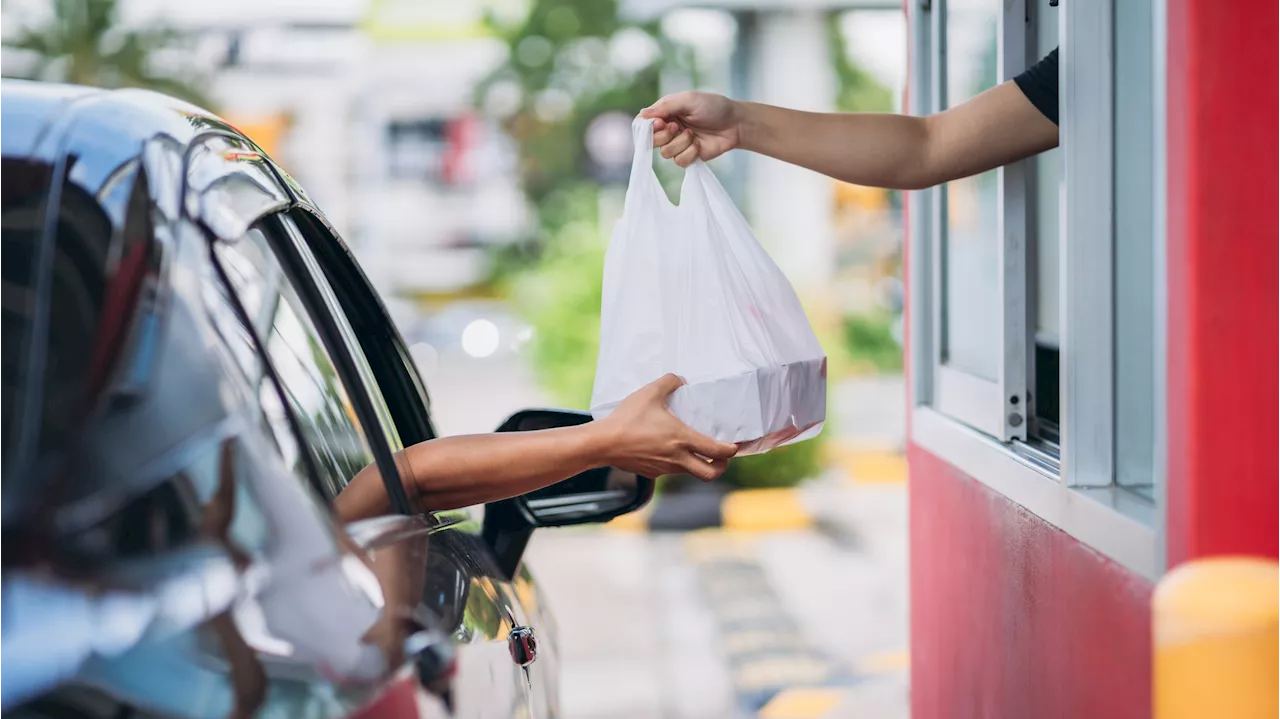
<point x="791" y="208"/>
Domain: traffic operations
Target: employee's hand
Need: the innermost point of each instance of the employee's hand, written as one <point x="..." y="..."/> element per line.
<point x="695" y="125"/>
<point x="645" y="438"/>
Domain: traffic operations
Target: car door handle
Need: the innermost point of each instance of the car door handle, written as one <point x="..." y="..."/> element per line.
<point x="523" y="646"/>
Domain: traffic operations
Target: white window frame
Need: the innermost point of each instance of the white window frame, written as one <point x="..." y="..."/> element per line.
<point x="968" y="421"/>
<point x="997" y="407"/>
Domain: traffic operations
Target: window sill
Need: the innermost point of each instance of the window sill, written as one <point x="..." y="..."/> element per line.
<point x="1114" y="522"/>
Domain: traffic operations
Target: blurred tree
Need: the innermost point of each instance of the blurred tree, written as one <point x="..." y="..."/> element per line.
<point x="570" y="61"/>
<point x="561" y="294"/>
<point x="857" y="89"/>
<point x="82" y="42"/>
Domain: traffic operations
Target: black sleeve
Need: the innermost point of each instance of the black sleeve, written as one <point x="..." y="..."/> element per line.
<point x="1040" y="84"/>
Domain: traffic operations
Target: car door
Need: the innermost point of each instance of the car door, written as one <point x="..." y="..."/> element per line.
<point x="317" y="415"/>
<point x="462" y="589"/>
<point x="227" y="589"/>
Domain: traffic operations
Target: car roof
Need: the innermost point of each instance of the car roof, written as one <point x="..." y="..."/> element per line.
<point x="29" y="108"/>
<point x="35" y="112"/>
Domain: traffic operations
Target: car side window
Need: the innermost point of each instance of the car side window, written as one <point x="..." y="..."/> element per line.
<point x="380" y="342"/>
<point x="338" y="311"/>
<point x="330" y="429"/>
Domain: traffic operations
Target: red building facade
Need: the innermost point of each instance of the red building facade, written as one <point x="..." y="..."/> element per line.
<point x="1092" y="348"/>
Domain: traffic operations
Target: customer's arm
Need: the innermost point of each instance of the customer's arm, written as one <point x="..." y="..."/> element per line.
<point x="640" y="436"/>
<point x="880" y="150"/>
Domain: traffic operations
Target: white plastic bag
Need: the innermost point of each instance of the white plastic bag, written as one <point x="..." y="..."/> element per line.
<point x="689" y="290"/>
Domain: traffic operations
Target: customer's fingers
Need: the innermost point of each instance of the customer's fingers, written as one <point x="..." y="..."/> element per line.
<point x="664" y="385"/>
<point x="710" y="448"/>
<point x="702" y="469"/>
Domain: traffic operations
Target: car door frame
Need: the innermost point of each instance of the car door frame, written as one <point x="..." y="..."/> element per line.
<point x="317" y="309"/>
<point x="405" y="394"/>
<point x="380" y="340"/>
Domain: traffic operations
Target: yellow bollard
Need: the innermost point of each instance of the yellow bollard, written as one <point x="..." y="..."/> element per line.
<point x="1215" y="633"/>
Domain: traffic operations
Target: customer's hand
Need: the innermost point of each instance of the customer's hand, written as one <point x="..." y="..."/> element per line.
<point x="695" y="125"/>
<point x="642" y="436"/>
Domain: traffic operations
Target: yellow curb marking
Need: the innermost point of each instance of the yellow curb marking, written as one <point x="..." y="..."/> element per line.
<point x="871" y="466"/>
<point x="637" y="521"/>
<point x="884" y="663"/>
<point x="801" y="703"/>
<point x="764" y="510"/>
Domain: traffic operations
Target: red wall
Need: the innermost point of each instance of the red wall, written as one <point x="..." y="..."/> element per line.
<point x="1012" y="618"/>
<point x="1222" y="257"/>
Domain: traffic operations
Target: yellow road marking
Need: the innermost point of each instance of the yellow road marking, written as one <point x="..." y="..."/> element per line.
<point x="637" y="521"/>
<point x="884" y="662"/>
<point x="871" y="466"/>
<point x="764" y="510"/>
<point x="764" y="672"/>
<point x="801" y="703"/>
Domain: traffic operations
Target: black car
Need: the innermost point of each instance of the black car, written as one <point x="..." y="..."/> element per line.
<point x="194" y="366"/>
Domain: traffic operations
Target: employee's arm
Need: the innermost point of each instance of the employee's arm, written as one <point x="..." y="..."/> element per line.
<point x="880" y="150"/>
<point x="640" y="436"/>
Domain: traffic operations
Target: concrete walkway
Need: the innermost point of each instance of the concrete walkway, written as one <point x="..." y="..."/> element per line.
<point x="724" y="624"/>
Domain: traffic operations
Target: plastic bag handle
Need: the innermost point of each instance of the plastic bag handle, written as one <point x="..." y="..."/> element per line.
<point x="642" y="161"/>
<point x="642" y="172"/>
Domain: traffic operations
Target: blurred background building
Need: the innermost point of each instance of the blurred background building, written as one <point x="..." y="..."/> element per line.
<point x="473" y="153"/>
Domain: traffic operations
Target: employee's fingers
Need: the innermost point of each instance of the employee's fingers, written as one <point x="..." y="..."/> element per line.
<point x="667" y="107"/>
<point x="679" y="144"/>
<point x="710" y="448"/>
<point x="665" y="133"/>
<point x="686" y="158"/>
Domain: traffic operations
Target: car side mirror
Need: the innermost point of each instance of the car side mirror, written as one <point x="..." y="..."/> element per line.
<point x="596" y="495"/>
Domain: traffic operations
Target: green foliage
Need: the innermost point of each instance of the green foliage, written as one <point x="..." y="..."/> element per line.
<point x="868" y="340"/>
<point x="561" y="55"/>
<point x="858" y="90"/>
<point x="782" y="467"/>
<point x="560" y="296"/>
<point x="83" y="43"/>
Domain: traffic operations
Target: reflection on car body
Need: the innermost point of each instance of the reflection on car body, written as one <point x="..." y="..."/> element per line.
<point x="193" y="368"/>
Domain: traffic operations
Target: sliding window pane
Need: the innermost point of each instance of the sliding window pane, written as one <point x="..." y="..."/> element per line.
<point x="1135" y="256"/>
<point x="972" y="331"/>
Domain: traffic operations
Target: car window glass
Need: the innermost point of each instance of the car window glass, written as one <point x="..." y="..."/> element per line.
<point x="396" y="374"/>
<point x="26" y="186"/>
<point x="317" y="274"/>
<point x="101" y="251"/>
<point x="308" y="376"/>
